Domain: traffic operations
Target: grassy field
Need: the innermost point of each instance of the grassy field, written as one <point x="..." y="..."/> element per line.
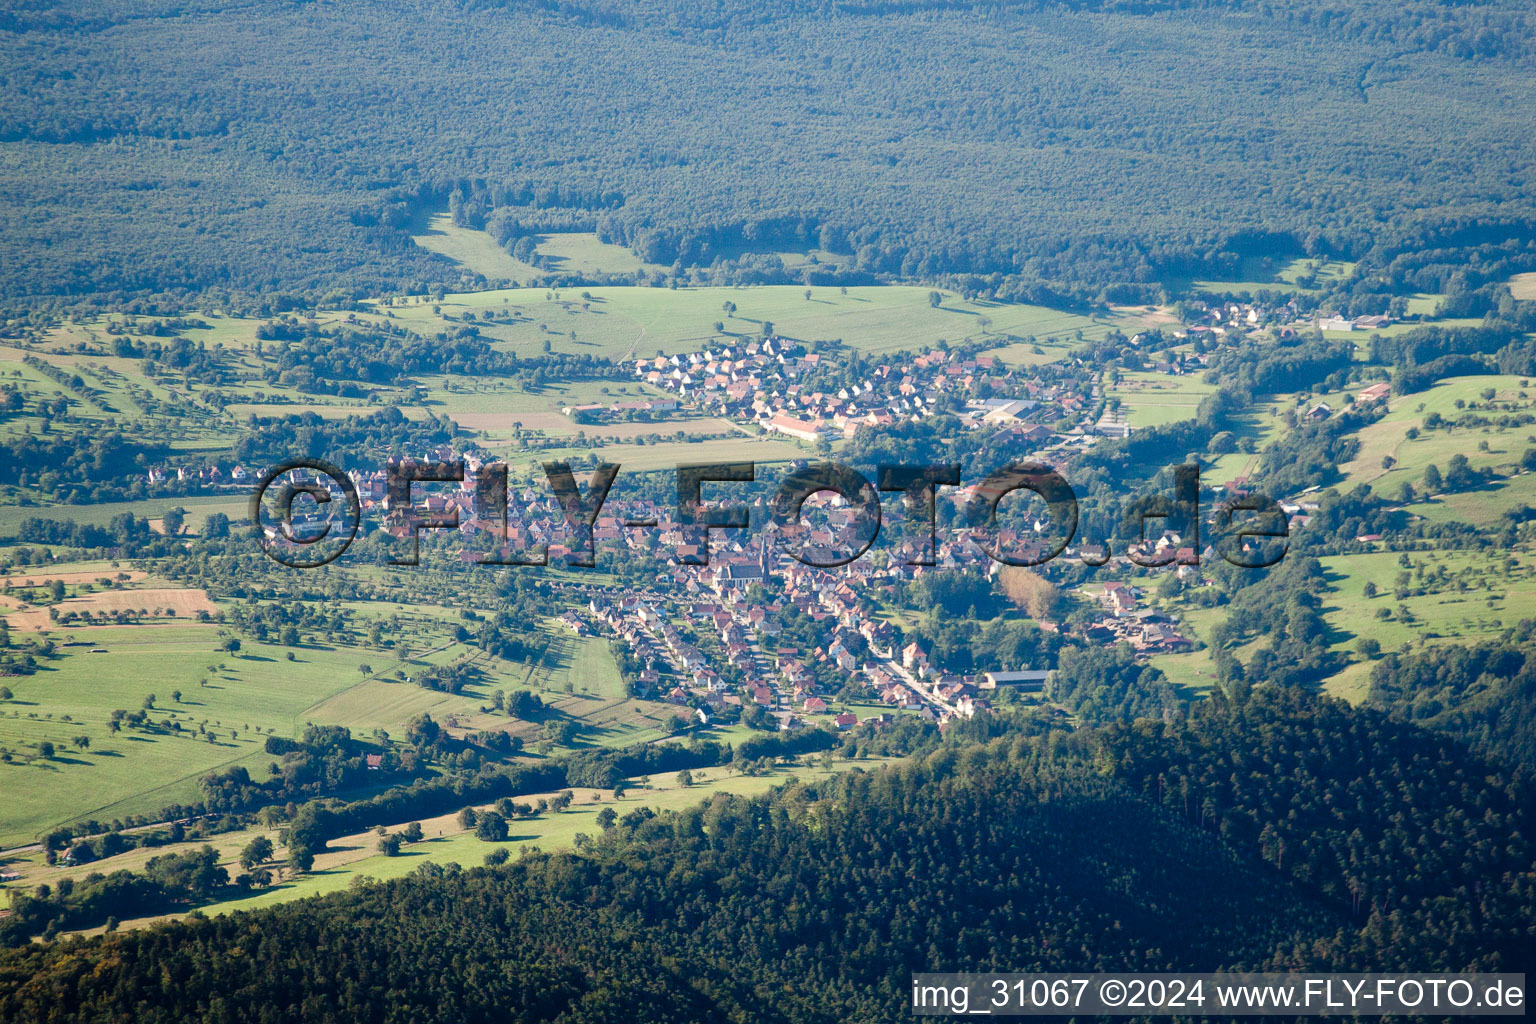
<point x="255" y="692"/>
<point x="1460" y="597"/>
<point x="1482" y="508"/>
<point x="502" y="411"/>
<point x="625" y="322"/>
<point x="475" y="250"/>
<point x="562" y="253"/>
<point x="199" y="508"/>
<point x="1388" y="437"/>
<point x="1466" y="596"/>
<point x="1523" y="287"/>
<point x="1154" y="399"/>
<point x="1260" y="273"/>
<point x="353" y="859"/>
<point x="1261" y="424"/>
<point x="583" y="253"/>
<point x="135" y="772"/>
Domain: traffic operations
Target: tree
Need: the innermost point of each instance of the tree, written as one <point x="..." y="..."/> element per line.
<point x="685" y="778"/>
<point x="389" y="845"/>
<point x="173" y="521"/>
<point x="497" y="857"/>
<point x="1369" y="590"/>
<point x="81" y="742"/>
<point x="5" y="693"/>
<point x="231" y="645"/>
<point x="1369" y="647"/>
<point x="606" y="817"/>
<point x="1030" y="592"/>
<point x="257" y="851"/>
<point x="176" y="696"/>
<point x="1433" y="483"/>
<point x="492" y="828"/>
<point x="468" y="818"/>
<point x="524" y="704"/>
<point x="45" y="749"/>
<point x="935" y="299"/>
<point x="412" y="833"/>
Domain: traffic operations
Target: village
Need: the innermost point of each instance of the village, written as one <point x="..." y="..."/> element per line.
<point x="709" y="636"/>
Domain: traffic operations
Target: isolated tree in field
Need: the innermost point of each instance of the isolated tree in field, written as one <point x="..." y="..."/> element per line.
<point x="729" y="307"/>
<point x="685" y="778"/>
<point x="606" y="817"/>
<point x="389" y="846"/>
<point x="1369" y="590"/>
<point x="257" y="851"/>
<point x="412" y="833"/>
<point x="149" y="702"/>
<point x="468" y="818"/>
<point x="935" y="299"/>
<point x="1432" y="479"/>
<point x="45" y="749"/>
<point x="173" y="521"/>
<point x="5" y="693"/>
<point x="81" y="742"/>
<point x="176" y="696"/>
<point x="492" y="828"/>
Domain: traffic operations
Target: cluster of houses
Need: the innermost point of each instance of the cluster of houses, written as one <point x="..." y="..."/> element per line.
<point x="1146" y="630"/>
<point x="749" y="660"/>
<point x="206" y="476"/>
<point x="770" y="383"/>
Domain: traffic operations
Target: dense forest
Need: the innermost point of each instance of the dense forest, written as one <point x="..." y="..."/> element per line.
<point x="275" y="154"/>
<point x="1321" y="836"/>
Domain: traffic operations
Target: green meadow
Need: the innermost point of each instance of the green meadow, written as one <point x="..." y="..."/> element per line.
<point x="199" y="507"/>
<point x="630" y="322"/>
<point x="1388" y="437"/>
<point x="1460" y="596"/>
<point x="1155" y="399"/>
<point x="352" y="860"/>
<point x="1264" y="273"/>
<point x="104" y="668"/>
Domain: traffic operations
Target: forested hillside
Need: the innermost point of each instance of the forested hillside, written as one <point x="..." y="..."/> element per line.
<point x="816" y="903"/>
<point x="236" y="153"/>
